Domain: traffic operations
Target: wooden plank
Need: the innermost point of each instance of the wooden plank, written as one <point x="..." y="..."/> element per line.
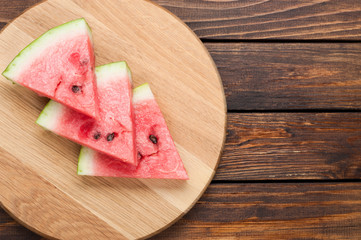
<point x="10" y="229"/>
<point x="273" y="211"/>
<point x="11" y="9"/>
<point x="273" y="19"/>
<point x="258" y="76"/>
<point x="259" y="211"/>
<point x="273" y="146"/>
<point x="250" y="19"/>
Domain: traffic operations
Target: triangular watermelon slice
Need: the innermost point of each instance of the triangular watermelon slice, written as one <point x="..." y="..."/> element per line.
<point x="60" y="65"/>
<point x="156" y="150"/>
<point x="113" y="132"/>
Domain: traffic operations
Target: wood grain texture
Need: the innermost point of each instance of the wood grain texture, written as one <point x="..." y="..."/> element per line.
<point x="273" y="76"/>
<point x="12" y="230"/>
<point x="40" y="177"/>
<point x="274" y="146"/>
<point x="264" y="211"/>
<point x="272" y="19"/>
<point x="44" y="208"/>
<point x="250" y="19"/>
<point x="273" y="211"/>
<point x="11" y="9"/>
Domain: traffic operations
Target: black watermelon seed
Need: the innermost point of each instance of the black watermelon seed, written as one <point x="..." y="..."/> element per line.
<point x="97" y="135"/>
<point x="75" y="89"/>
<point x="110" y="137"/>
<point x="153" y="139"/>
<point x="84" y="62"/>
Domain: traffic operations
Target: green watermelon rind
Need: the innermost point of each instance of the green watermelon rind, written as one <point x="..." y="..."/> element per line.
<point x="85" y="157"/>
<point x="111" y="69"/>
<point x="41" y="43"/>
<point x="142" y="92"/>
<point x="50" y="114"/>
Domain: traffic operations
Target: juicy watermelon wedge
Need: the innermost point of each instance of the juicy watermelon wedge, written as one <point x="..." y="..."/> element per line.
<point x="113" y="132"/>
<point x="157" y="154"/>
<point x="60" y="65"/>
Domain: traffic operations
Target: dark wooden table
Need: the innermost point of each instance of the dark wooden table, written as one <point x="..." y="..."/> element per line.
<point x="291" y="167"/>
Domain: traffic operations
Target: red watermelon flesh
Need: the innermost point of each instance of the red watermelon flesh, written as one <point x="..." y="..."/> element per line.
<point x="60" y="65"/>
<point x="113" y="132"/>
<point x="157" y="154"/>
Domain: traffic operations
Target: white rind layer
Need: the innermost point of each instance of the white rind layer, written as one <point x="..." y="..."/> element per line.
<point x="141" y="93"/>
<point x="60" y="33"/>
<point x="114" y="70"/>
<point x="50" y="115"/>
<point x="85" y="161"/>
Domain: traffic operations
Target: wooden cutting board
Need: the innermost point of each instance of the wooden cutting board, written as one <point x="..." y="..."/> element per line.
<point x="39" y="185"/>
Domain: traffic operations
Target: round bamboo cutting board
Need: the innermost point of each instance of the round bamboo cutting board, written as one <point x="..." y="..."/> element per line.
<point x="39" y="185"/>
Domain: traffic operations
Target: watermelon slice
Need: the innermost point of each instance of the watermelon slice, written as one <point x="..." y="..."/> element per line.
<point x="157" y="154"/>
<point x="60" y="65"/>
<point x="113" y="132"/>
